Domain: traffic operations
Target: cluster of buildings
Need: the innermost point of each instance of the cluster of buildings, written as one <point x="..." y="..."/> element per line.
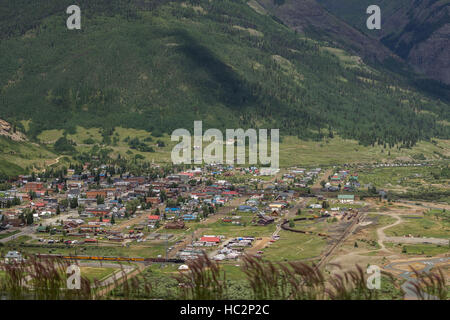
<point x="301" y="178"/>
<point x="233" y="248"/>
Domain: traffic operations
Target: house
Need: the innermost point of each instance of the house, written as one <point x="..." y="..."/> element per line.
<point x="230" y="193"/>
<point x="277" y="206"/>
<point x="247" y="208"/>
<point x="265" y="220"/>
<point x="252" y="202"/>
<point x="73" y="193"/>
<point x="174" y="225"/>
<point x="346" y="198"/>
<point x="86" y="202"/>
<point x="33" y="187"/>
<point x="210" y="239"/>
<point x="153" y="200"/>
<point x="41" y="229"/>
<point x="92" y="194"/>
<point x="153" y="219"/>
<point x="172" y="210"/>
<point x="97" y="211"/>
<point x="335" y="178"/>
<point x="189" y="217"/>
<point x="13" y="256"/>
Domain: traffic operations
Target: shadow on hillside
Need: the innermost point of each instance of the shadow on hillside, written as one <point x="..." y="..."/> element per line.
<point x="221" y="81"/>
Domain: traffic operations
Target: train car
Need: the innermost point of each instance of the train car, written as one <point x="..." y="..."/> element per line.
<point x="83" y="257"/>
<point x="138" y="259"/>
<point x="122" y="259"/>
<point x="109" y="258"/>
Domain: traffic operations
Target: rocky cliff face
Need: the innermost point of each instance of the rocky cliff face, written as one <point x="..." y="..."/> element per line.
<point x="308" y="16"/>
<point x="416" y="30"/>
<point x="8" y="131"/>
<point x="432" y="56"/>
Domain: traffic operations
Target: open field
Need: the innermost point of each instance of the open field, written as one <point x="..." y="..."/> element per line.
<point x="294" y="247"/>
<point x="429" y="225"/>
<point x="404" y="178"/>
<point x="293" y="151"/>
<point x="231" y="230"/>
<point x="96" y="273"/>
<point x="428" y="250"/>
<point x="19" y="157"/>
<point x="338" y="151"/>
<point x="137" y="250"/>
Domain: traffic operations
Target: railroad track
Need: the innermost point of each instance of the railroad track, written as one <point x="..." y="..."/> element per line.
<point x="101" y="258"/>
<point x="343" y="237"/>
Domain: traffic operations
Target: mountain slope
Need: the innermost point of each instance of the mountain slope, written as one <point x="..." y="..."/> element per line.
<point x="22" y="157"/>
<point x="418" y="31"/>
<point x="161" y="67"/>
<point x="307" y="16"/>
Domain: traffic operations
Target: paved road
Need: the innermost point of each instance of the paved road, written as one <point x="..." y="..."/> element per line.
<point x="31" y="230"/>
<point x="24" y="231"/>
<point x="408" y="286"/>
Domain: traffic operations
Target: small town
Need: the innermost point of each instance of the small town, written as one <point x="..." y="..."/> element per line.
<point x="224" y="158"/>
<point x="98" y="213"/>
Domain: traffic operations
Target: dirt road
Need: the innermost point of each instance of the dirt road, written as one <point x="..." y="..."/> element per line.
<point x="380" y="231"/>
<point x="118" y="278"/>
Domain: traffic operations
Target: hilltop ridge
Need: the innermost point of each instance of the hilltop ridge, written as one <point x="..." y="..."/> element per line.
<point x="161" y="67"/>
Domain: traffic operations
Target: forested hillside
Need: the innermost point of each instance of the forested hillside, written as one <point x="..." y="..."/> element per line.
<point x="160" y="65"/>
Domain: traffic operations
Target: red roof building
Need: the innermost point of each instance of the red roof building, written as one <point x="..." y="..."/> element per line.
<point x="33" y="186"/>
<point x="189" y="174"/>
<point x="153" y="200"/>
<point x="230" y="193"/>
<point x="97" y="211"/>
<point x="210" y="239"/>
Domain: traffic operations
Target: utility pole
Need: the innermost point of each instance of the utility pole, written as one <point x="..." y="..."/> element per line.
<point x="167" y="252"/>
<point x="167" y="249"/>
